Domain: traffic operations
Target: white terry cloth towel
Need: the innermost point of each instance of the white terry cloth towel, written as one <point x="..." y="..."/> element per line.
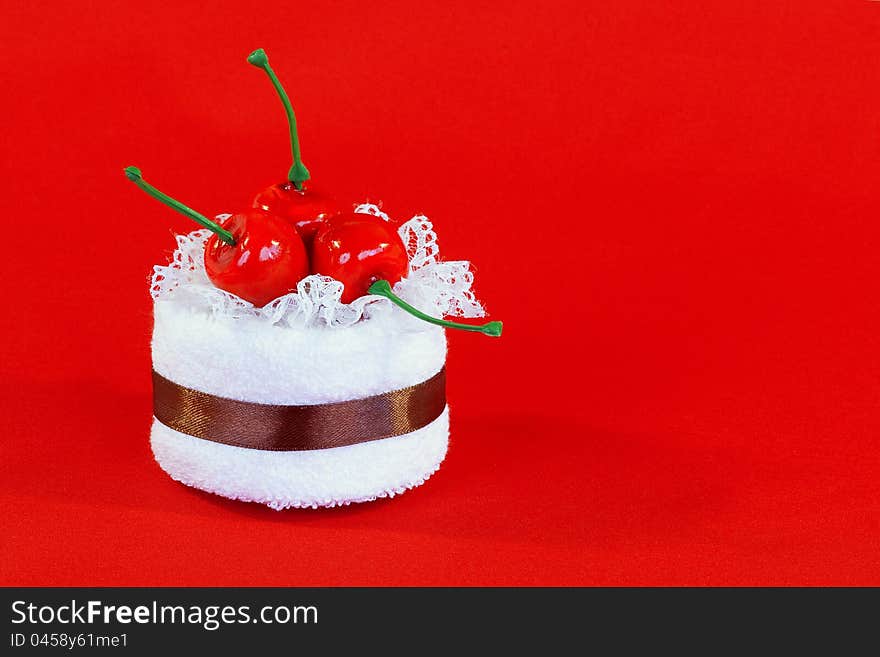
<point x="251" y="360"/>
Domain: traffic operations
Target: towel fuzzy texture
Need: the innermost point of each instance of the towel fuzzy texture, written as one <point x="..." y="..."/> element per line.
<point x="250" y="360"/>
<point x="318" y="478"/>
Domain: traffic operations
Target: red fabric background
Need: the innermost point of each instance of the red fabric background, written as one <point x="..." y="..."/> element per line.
<point x="673" y="206"/>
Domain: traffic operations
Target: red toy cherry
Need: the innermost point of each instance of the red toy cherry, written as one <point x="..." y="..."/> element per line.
<point x="252" y="254"/>
<point x="267" y="260"/>
<point x="305" y="207"/>
<point x="358" y="250"/>
<point x="366" y="255"/>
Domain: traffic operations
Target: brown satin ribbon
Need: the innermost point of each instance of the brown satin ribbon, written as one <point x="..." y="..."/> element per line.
<point x="291" y="428"/>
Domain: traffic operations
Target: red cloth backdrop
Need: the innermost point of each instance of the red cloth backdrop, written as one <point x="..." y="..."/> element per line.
<point x="672" y="206"/>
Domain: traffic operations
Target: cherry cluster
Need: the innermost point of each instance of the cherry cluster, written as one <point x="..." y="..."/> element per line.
<point x="292" y="230"/>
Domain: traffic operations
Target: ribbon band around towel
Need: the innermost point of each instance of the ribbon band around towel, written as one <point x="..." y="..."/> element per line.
<point x="295" y="428"/>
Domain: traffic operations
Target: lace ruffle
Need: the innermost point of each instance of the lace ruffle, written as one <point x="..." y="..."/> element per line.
<point x="436" y="287"/>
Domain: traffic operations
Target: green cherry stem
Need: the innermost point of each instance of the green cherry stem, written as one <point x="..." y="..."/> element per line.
<point x="298" y="172"/>
<point x="134" y="175"/>
<point x="383" y="289"/>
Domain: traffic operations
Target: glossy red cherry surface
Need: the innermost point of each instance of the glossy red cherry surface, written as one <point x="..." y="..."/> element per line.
<point x="358" y="250"/>
<point x="307" y="208"/>
<point x="267" y="260"/>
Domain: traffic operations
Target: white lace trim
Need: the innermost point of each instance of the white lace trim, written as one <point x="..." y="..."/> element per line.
<point x="436" y="287"/>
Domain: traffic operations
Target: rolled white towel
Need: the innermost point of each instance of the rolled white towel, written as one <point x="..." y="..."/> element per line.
<point x="250" y="360"/>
